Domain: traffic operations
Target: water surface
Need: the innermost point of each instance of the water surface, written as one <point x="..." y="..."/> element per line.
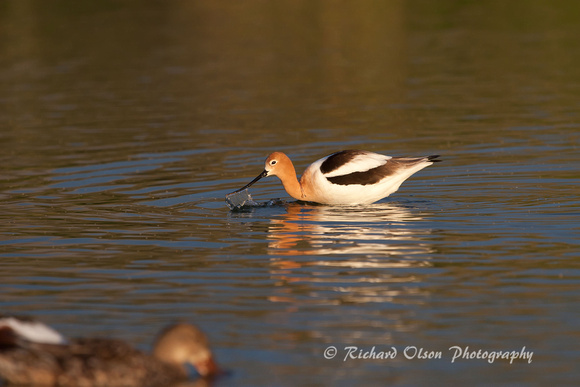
<point x="123" y="126"/>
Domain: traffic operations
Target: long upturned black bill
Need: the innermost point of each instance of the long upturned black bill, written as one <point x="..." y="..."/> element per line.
<point x="263" y="174"/>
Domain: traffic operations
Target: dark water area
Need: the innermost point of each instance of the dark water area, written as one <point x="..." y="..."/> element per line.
<point x="123" y="125"/>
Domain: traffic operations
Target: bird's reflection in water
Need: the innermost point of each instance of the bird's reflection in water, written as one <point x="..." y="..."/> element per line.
<point x="360" y="253"/>
<point x="376" y="230"/>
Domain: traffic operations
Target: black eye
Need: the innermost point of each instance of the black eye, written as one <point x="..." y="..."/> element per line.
<point x="273" y="162"/>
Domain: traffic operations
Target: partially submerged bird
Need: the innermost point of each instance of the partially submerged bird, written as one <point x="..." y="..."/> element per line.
<point x="345" y="177"/>
<point x="35" y="354"/>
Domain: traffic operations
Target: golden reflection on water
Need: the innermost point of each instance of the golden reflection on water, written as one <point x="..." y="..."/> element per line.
<point x="375" y="230"/>
<point x="363" y="241"/>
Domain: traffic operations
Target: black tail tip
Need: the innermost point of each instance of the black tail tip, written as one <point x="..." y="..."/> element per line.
<point x="434" y="158"/>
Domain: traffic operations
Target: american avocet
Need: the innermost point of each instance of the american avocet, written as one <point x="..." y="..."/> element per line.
<point x="32" y="353"/>
<point x="345" y="177"/>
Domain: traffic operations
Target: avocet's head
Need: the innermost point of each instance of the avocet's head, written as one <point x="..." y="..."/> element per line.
<point x="276" y="163"/>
